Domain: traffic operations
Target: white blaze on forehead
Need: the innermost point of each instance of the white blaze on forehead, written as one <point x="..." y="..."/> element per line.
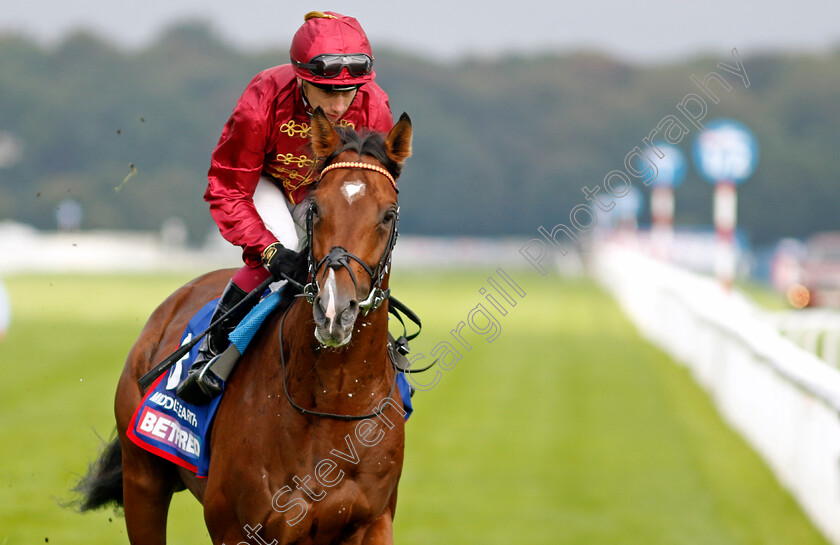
<point x="352" y="190"/>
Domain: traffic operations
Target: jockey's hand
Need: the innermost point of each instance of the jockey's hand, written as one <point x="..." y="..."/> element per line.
<point x="279" y="260"/>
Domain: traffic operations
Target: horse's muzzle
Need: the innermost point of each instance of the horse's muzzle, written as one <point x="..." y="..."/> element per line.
<point x="335" y="314"/>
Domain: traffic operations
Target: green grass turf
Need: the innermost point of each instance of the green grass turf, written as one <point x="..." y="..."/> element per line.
<point x="567" y="428"/>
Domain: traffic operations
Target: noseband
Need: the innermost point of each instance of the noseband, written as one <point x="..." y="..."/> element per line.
<point x="339" y="258"/>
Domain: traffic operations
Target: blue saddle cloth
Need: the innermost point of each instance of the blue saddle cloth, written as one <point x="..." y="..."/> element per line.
<point x="178" y="431"/>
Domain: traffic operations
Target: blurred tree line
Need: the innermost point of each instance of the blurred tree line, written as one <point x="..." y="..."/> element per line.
<point x="502" y="145"/>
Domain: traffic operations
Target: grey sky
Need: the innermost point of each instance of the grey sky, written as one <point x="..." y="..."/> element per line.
<point x="641" y="30"/>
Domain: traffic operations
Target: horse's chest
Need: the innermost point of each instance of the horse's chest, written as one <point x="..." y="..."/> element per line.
<point x="350" y="471"/>
<point x="308" y="478"/>
<point x="332" y="491"/>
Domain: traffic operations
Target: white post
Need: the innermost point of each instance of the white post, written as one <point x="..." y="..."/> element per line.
<point x="662" y="216"/>
<point x="725" y="217"/>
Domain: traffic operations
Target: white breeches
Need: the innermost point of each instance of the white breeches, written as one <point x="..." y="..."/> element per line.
<point x="276" y="212"/>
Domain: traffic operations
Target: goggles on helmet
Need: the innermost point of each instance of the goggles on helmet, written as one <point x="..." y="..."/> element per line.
<point x="330" y="66"/>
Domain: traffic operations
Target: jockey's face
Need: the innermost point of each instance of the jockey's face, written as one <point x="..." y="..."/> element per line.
<point x="334" y="103"/>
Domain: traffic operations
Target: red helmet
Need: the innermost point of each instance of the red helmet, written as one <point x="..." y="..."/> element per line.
<point x="332" y="49"/>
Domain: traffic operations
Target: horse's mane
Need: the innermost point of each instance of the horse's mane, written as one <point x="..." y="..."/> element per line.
<point x="366" y="143"/>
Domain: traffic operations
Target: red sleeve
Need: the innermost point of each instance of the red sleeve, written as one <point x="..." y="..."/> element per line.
<point x="381" y="119"/>
<point x="235" y="168"/>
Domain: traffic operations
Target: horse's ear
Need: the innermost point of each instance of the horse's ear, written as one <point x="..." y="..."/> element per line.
<point x="324" y="137"/>
<point x="398" y="141"/>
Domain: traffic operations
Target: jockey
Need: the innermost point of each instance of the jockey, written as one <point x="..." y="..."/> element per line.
<point x="262" y="169"/>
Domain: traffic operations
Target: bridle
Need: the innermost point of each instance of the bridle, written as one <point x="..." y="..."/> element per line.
<point x="339" y="257"/>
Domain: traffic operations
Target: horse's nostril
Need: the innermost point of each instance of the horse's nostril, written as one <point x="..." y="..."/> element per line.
<point x="318" y="311"/>
<point x="348" y="317"/>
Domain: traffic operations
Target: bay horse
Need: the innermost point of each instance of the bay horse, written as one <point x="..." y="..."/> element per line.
<point x="313" y="465"/>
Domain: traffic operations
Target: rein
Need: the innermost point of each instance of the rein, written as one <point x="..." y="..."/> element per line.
<point x="334" y="416"/>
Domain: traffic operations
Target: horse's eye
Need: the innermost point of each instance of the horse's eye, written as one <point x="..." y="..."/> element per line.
<point x="389" y="216"/>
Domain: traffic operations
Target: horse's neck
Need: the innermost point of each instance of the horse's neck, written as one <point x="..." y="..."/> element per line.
<point x="355" y="371"/>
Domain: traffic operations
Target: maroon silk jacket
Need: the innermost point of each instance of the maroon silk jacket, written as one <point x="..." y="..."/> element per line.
<point x="268" y="135"/>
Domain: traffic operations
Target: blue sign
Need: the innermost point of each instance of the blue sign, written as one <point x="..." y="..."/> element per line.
<point x="630" y="205"/>
<point x="671" y="168"/>
<point x="725" y="151"/>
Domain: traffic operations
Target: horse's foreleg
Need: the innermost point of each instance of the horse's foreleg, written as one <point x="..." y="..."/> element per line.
<point x="148" y="485"/>
<point x="381" y="532"/>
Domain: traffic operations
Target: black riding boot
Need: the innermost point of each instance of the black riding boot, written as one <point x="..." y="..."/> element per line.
<point x="200" y="387"/>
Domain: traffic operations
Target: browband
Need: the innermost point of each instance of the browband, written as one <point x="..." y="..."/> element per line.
<point x="359" y="164"/>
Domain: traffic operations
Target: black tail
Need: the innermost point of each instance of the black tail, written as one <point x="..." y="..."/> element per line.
<point x="103" y="485"/>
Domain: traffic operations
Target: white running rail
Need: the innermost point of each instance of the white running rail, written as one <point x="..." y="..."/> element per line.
<point x="784" y="400"/>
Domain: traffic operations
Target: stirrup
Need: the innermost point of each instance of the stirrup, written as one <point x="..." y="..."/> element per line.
<point x="201" y="385"/>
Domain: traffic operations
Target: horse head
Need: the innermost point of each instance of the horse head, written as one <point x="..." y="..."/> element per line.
<point x="352" y="223"/>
